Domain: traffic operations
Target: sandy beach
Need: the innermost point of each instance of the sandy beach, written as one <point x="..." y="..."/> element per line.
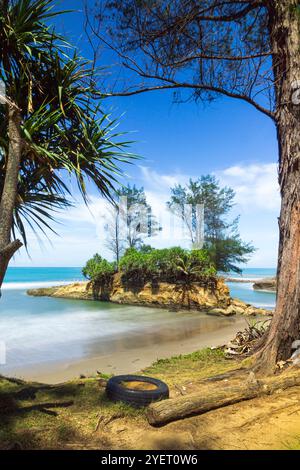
<point x="61" y="339"/>
<point x="218" y="331"/>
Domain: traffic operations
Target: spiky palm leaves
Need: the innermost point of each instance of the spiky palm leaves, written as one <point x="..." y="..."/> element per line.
<point x="63" y="131"/>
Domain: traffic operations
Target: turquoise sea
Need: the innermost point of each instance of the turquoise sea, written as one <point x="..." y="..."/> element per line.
<point x="41" y="330"/>
<point x="20" y="278"/>
<point x="245" y="292"/>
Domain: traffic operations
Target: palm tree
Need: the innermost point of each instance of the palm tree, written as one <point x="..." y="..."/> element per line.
<point x="49" y="125"/>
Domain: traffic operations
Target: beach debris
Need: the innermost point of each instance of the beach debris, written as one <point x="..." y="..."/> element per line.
<point x="295" y="358"/>
<point x="105" y="420"/>
<point x="281" y="364"/>
<point x="245" y="340"/>
<point x="295" y="354"/>
<point x="296" y="344"/>
<point x="181" y="390"/>
<point x="296" y="361"/>
<point x="102" y="383"/>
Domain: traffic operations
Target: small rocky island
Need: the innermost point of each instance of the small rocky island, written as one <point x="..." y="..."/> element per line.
<point x="268" y="284"/>
<point x="173" y="278"/>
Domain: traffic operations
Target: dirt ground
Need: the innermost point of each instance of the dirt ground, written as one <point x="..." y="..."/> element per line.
<point x="265" y="423"/>
<point x="77" y="414"/>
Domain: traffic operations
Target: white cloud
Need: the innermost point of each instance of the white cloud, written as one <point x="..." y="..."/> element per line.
<point x="256" y="186"/>
<point x="82" y="228"/>
<point x="257" y="201"/>
<point x="159" y="182"/>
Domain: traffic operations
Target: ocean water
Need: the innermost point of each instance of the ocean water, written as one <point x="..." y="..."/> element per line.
<point x="41" y="330"/>
<point x="245" y="291"/>
<point x="27" y="278"/>
<point x="254" y="273"/>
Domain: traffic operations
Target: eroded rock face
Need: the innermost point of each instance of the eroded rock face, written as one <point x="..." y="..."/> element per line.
<point x="77" y="291"/>
<point x="172" y="296"/>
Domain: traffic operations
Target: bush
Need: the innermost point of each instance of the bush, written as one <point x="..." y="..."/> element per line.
<point x="173" y="265"/>
<point x="99" y="270"/>
<point x="167" y="265"/>
<point x="135" y="267"/>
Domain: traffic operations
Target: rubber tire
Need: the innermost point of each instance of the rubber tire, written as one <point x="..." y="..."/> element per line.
<point x="137" y="398"/>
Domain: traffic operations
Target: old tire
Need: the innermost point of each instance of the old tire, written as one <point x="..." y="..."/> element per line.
<point x="138" y="398"/>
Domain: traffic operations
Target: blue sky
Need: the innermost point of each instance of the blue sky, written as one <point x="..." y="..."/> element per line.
<point x="228" y="138"/>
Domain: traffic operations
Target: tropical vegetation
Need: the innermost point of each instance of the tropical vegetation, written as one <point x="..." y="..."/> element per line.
<point x="99" y="270"/>
<point x="221" y="233"/>
<point x="52" y="133"/>
<point x="173" y="265"/>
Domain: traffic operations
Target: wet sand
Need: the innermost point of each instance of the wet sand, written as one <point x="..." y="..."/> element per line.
<point x="135" y="351"/>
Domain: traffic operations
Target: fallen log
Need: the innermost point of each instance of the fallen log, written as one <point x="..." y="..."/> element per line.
<point x="211" y="396"/>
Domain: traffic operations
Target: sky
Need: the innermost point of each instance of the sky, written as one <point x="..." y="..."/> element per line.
<point x="227" y="138"/>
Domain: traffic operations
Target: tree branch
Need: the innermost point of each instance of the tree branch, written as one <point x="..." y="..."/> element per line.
<point x="9" y="250"/>
<point x="233" y="17"/>
<point x="200" y="16"/>
<point x="213" y="89"/>
<point x="215" y="57"/>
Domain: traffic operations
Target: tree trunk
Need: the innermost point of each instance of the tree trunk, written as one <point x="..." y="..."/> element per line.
<point x="285" y="326"/>
<point x="9" y="193"/>
<point x="211" y="396"/>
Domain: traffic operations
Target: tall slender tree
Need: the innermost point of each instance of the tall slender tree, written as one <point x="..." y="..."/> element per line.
<point x="246" y="50"/>
<point x="221" y="235"/>
<point x="130" y="221"/>
<point x="115" y="236"/>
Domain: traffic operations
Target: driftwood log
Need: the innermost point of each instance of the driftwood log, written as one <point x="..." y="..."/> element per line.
<point x="212" y="395"/>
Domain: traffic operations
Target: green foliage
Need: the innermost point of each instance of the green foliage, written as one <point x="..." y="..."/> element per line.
<point x="174" y="265"/>
<point x="64" y="132"/>
<point x="226" y="254"/>
<point x="99" y="270"/>
<point x="217" y="202"/>
<point x="222" y="241"/>
<point x="146" y="249"/>
<point x="191" y="367"/>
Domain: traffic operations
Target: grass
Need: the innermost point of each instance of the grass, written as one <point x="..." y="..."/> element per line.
<point x="23" y="425"/>
<point x="195" y="366"/>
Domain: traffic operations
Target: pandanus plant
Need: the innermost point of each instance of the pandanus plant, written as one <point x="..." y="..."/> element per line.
<point x="50" y="127"/>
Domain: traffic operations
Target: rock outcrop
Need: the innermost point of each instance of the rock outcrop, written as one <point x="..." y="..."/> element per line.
<point x="215" y="301"/>
<point x="268" y="284"/>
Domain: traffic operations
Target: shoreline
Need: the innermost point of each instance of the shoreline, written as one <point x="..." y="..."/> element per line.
<point x="127" y="361"/>
<point x="128" y="353"/>
<point x="170" y="296"/>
